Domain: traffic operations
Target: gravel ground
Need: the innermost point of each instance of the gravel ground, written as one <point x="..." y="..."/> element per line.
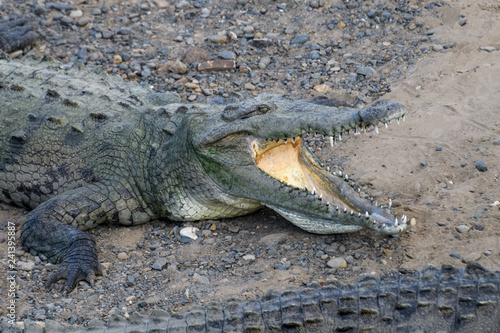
<point x="357" y="51"/>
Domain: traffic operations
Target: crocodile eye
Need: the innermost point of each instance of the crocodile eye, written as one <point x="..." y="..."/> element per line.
<point x="234" y="112"/>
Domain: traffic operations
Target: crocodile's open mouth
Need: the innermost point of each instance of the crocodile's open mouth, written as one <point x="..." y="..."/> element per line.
<point x="289" y="163"/>
<point x="292" y="164"/>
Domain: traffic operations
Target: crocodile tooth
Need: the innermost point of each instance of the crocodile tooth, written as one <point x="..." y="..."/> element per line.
<point x="345" y="210"/>
<point x="328" y="168"/>
<point x="376" y="129"/>
<point x="404" y="117"/>
<point x="398" y="121"/>
<point x="346" y="177"/>
<point x="293" y="140"/>
<point x="287" y="184"/>
<point x="331" y="141"/>
<point x="340" y="173"/>
<point x="352" y="212"/>
<point x="390" y="203"/>
<point x="367" y="215"/>
<point x="396" y="222"/>
<point x="340" y="137"/>
<point x="386" y="126"/>
<point x="337" y="208"/>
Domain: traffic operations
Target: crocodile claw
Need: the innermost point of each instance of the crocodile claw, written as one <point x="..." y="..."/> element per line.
<point x="74" y="273"/>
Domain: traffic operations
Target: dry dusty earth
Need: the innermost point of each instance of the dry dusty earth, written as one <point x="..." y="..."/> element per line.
<point x="427" y="165"/>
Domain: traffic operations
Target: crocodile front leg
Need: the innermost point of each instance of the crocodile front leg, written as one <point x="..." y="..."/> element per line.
<point x="14" y="35"/>
<point x="57" y="227"/>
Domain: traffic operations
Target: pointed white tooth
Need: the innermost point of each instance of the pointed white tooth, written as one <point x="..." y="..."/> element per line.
<point x="340" y="173"/>
<point x="328" y="168"/>
<point x="328" y="203"/>
<point x="345" y="210"/>
<point x="321" y="196"/>
<point x="346" y="177"/>
<point x="404" y="118"/>
<point x="376" y="203"/>
<point x="352" y="212"/>
<point x="287" y="184"/>
<point x="340" y="137"/>
<point x="404" y="219"/>
<point x="386" y="125"/>
<point x="331" y="141"/>
<point x="337" y="208"/>
<point x="390" y="203"/>
<point x="376" y="129"/>
<point x="398" y="121"/>
<point x="396" y="222"/>
<point x="359" y="214"/>
<point x="293" y="140"/>
<point x="367" y="215"/>
<point x="313" y="192"/>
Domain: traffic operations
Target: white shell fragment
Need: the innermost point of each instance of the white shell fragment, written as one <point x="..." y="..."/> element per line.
<point x="189" y="232"/>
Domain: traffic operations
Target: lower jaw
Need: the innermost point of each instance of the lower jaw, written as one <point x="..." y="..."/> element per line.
<point x="315" y="225"/>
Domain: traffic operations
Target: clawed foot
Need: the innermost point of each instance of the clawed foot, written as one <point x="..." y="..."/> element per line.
<point x="74" y="273"/>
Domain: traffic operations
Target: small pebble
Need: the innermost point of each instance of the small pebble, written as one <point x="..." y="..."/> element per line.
<point x="248" y="257"/>
<point x="437" y="48"/>
<point x="300" y="39"/>
<point x="481" y="166"/>
<point x="454" y="255"/>
<point x="26" y="265"/>
<point x="227" y="55"/>
<point x="487" y="48"/>
<point x="122" y="256"/>
<point x="337" y="263"/>
<point x="439" y="148"/>
<point x="462" y="228"/>
<point x="159" y="264"/>
<point x="200" y="279"/>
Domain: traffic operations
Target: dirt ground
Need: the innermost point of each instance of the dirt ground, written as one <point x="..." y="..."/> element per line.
<point x="427" y="165"/>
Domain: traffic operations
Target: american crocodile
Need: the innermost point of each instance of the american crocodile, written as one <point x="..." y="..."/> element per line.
<point x="82" y="148"/>
<point x="446" y="299"/>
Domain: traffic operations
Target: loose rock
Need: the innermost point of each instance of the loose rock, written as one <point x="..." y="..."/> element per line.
<point x="462" y="228"/>
<point x="337" y="263"/>
<point x="481" y="166"/>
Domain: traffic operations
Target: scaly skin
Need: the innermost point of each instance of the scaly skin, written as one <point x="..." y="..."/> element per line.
<point x="81" y="148"/>
<point x="15" y="35"/>
<point x="447" y="300"/>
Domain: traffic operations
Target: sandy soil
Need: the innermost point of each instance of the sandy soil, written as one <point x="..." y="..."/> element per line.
<point x="453" y="102"/>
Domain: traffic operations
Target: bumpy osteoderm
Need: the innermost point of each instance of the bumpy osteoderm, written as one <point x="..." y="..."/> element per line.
<point x="80" y="148"/>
